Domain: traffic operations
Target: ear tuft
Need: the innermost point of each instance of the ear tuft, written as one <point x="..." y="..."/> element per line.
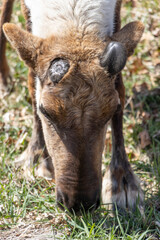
<point x="114" y="58"/>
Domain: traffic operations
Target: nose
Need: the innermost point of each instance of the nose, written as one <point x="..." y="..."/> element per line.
<point x="77" y="203"/>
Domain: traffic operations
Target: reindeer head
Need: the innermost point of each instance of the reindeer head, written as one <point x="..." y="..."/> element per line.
<point x="76" y="97"/>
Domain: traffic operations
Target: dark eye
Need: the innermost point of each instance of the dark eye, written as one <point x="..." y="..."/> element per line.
<point x="59" y="67"/>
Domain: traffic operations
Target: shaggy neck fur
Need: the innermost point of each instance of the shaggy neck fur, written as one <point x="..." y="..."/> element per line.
<point x="57" y="16"/>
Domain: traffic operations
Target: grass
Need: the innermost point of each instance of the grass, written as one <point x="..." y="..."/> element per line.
<point x="28" y="208"/>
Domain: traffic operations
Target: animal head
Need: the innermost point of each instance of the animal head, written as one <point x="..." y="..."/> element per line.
<point x="76" y="97"/>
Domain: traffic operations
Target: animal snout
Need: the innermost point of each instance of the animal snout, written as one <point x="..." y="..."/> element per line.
<point x="77" y="203"/>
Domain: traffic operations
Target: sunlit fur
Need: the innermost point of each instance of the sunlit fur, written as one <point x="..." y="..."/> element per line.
<point x="74" y="112"/>
<point x="57" y="16"/>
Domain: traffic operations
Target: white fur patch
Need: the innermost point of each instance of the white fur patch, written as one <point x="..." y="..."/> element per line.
<point x="50" y="17"/>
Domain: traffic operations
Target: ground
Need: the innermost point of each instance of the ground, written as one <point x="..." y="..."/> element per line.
<point x="27" y="207"/>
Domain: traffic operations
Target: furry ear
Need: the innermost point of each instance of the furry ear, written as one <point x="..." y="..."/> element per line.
<point x="122" y="45"/>
<point x="27" y="45"/>
<point x="129" y="36"/>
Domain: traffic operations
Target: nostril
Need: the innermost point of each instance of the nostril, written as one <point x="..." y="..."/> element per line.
<point x="62" y="199"/>
<point x="94" y="206"/>
<point x="76" y="203"/>
<point x="97" y="203"/>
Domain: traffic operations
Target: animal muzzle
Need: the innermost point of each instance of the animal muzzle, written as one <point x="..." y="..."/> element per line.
<point x="78" y="202"/>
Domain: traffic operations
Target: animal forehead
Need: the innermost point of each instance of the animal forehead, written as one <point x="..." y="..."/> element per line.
<point x="79" y="106"/>
<point x="82" y="99"/>
<point x="80" y="88"/>
<point x="74" y="47"/>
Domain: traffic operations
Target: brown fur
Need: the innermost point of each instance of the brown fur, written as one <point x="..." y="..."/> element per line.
<point x="74" y="112"/>
<point x="117" y="20"/>
<point x="4" y="69"/>
<point x="26" y="14"/>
